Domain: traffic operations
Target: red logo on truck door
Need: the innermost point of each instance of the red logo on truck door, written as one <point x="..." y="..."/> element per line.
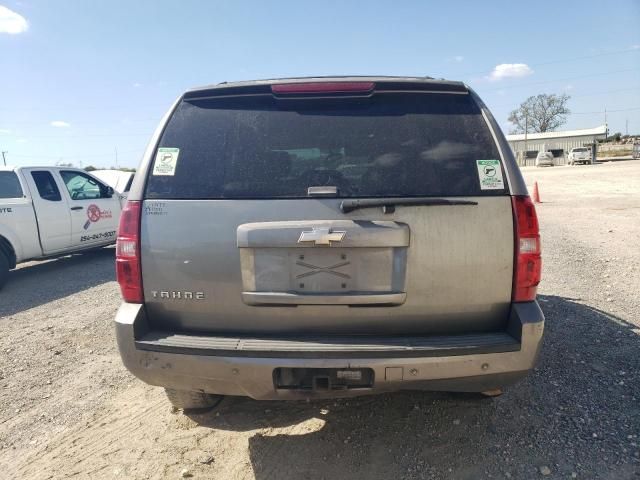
<point x="95" y="214"/>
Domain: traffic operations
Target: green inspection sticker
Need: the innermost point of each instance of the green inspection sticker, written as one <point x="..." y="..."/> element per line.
<point x="166" y="161"/>
<point x="490" y="174"/>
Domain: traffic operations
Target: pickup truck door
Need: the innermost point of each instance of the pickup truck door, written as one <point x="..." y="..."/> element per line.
<point x="51" y="210"/>
<point x="94" y="211"/>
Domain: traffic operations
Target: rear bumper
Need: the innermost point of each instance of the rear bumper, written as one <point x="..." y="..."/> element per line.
<point x="248" y="373"/>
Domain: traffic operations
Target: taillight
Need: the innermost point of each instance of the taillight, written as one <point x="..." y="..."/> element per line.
<point x="528" y="262"/>
<point x="322" y="87"/>
<point x="128" y="269"/>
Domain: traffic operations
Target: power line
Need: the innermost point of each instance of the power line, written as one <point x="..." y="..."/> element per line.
<point x="494" y="105"/>
<point x="570" y="59"/>
<point x="592" y="94"/>
<point x="606" y="111"/>
<point x="168" y="103"/>
<point x="563" y="79"/>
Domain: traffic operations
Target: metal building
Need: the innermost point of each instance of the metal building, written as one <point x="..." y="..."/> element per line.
<point x="526" y="147"/>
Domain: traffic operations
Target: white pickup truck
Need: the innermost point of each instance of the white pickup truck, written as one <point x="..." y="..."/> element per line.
<point x="48" y="211"/>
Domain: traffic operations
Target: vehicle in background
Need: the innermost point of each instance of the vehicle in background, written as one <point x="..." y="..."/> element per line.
<point x="579" y="155"/>
<point x="544" y="159"/>
<point x="49" y="211"/>
<point x="119" y="180"/>
<point x="636" y="151"/>
<point x="324" y="237"/>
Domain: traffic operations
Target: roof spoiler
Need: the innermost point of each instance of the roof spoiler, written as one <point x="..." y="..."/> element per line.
<point x="315" y="86"/>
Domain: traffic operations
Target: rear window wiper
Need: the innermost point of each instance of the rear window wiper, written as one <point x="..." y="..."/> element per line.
<point x="389" y="204"/>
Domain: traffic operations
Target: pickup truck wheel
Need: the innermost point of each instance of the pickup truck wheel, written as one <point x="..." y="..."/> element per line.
<point x="4" y="269"/>
<point x="192" y="400"/>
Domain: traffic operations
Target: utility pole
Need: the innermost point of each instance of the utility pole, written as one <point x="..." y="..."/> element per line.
<point x="606" y="127"/>
<point x="4" y="159"/>
<point x="526" y="130"/>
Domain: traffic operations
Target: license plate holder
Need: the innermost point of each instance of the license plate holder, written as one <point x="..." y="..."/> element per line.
<point x="323" y="379"/>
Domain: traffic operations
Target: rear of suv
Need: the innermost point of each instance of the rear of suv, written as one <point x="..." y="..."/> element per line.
<point x="324" y="237"/>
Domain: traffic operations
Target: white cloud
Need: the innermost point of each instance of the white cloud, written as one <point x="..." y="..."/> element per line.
<point x="510" y="70"/>
<point x="12" y="22"/>
<point x="5" y="131"/>
<point x="59" y="124"/>
<point x="458" y="58"/>
<point x="568" y="87"/>
<point x="21" y="140"/>
<point x="635" y="47"/>
<point x="137" y="85"/>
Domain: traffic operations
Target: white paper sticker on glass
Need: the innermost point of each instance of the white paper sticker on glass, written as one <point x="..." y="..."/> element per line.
<point x="166" y="161"/>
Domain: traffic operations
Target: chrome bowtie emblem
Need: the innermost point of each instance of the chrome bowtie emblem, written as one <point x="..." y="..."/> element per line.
<point x="322" y="236"/>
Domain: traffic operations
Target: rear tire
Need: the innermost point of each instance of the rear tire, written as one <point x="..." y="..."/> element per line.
<point x="4" y="269"/>
<point x="192" y="400"/>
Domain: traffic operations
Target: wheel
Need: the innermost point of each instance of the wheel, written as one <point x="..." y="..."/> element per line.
<point x="192" y="400"/>
<point x="4" y="269"/>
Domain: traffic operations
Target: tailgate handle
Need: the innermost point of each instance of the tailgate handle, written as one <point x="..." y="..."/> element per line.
<point x="292" y="299"/>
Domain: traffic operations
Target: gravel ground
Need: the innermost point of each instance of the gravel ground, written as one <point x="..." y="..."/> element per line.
<point x="69" y="409"/>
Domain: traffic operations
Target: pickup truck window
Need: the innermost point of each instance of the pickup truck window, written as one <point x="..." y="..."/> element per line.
<point x="46" y="185"/>
<point x="81" y="186"/>
<point x="10" y="185"/>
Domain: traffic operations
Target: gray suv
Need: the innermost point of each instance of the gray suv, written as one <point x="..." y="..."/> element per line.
<point x="323" y="237"/>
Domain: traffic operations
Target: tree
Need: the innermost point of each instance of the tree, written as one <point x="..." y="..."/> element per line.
<point x="90" y="168"/>
<point x="540" y="113"/>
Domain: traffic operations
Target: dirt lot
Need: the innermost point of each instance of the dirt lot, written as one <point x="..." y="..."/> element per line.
<point x="69" y="409"/>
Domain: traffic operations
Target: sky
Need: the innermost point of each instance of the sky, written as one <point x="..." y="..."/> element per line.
<point x="87" y="82"/>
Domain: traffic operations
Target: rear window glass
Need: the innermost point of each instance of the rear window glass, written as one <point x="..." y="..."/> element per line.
<point x="388" y="145"/>
<point x="10" y="185"/>
<point x="580" y="150"/>
<point x="46" y="185"/>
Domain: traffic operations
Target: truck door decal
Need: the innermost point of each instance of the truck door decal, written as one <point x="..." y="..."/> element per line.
<point x="94" y="214"/>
